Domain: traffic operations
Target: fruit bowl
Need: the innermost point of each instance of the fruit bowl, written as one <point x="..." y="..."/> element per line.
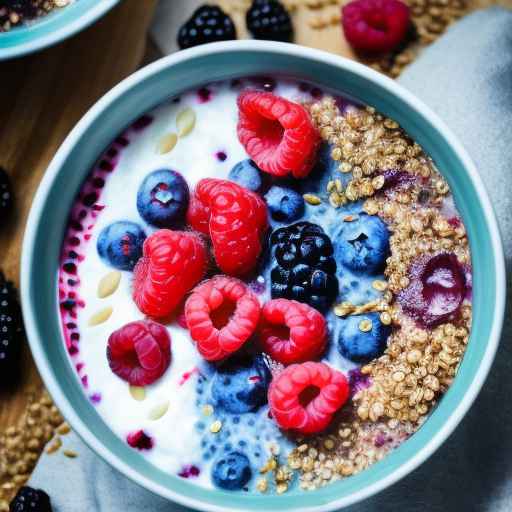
<point x="223" y="61"/>
<point x="53" y="28"/>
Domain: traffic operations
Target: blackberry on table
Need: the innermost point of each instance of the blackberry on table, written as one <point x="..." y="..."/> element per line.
<point x="6" y="197"/>
<point x="11" y="329"/>
<point x="268" y="19"/>
<point x="207" y="24"/>
<point x="305" y="269"/>
<point x="30" y="500"/>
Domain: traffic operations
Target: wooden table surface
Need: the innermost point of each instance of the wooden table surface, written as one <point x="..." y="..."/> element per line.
<point x="44" y="95"/>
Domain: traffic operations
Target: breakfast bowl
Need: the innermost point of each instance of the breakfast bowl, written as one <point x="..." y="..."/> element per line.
<point x="125" y="107"/>
<point x="52" y="28"/>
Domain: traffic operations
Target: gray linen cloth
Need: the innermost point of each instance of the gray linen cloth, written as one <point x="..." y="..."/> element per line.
<point x="466" y="77"/>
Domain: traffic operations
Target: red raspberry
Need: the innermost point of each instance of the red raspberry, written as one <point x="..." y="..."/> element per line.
<point x="375" y="26"/>
<point x="291" y="332"/>
<point x="304" y="397"/>
<point x="236" y="220"/>
<point x="173" y="262"/>
<point x="277" y="134"/>
<point x="222" y="314"/>
<point x="139" y="352"/>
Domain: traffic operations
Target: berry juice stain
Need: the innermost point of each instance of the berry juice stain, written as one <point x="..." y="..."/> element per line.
<point x="189" y="471"/>
<point x="221" y="156"/>
<point x="204" y="95"/>
<point x="141" y="123"/>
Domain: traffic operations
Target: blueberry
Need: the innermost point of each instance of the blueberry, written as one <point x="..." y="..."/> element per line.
<point x="247" y="174"/>
<point x="231" y="471"/>
<point x="162" y="199"/>
<point x="284" y="204"/>
<point x="363" y="244"/>
<point x="120" y="244"/>
<point x="241" y="387"/>
<point x="360" y="346"/>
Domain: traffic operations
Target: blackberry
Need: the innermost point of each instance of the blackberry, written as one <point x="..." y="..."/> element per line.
<point x="6" y="197"/>
<point x="30" y="500"/>
<point x="268" y="19"/>
<point x="305" y="268"/>
<point x="208" y="24"/>
<point x="11" y="329"/>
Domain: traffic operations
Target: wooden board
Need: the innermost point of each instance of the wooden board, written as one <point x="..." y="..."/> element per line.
<point x="43" y="96"/>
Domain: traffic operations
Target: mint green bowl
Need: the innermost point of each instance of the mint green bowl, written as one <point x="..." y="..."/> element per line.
<point x="141" y="92"/>
<point x="53" y="28"/>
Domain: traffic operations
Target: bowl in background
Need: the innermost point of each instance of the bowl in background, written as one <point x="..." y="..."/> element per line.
<point x="191" y="68"/>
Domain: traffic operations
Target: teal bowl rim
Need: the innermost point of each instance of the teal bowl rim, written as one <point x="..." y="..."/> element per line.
<point x="52" y="28"/>
<point x="127" y="101"/>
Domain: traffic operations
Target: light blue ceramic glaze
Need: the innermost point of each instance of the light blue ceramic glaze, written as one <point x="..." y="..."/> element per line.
<point x="167" y="77"/>
<point x="53" y="28"/>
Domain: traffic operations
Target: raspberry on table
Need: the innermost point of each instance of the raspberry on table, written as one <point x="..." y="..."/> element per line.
<point x="268" y="19"/>
<point x="375" y="26"/>
<point x="29" y="499"/>
<point x="139" y="352"/>
<point x="291" y="332"/>
<point x="235" y="218"/>
<point x="277" y="134"/>
<point x="222" y="314"/>
<point x="304" y="397"/>
<point x="304" y="269"/>
<point x="208" y="23"/>
<point x="173" y="262"/>
<point x="11" y="332"/>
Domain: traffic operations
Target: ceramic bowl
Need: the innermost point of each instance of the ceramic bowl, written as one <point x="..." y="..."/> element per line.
<point x="53" y="28"/>
<point x="140" y="93"/>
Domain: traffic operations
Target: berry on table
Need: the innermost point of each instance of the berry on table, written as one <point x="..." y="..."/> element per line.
<point x="363" y="244"/>
<point x="305" y="269"/>
<point x="207" y="24"/>
<point x="438" y="286"/>
<point x="222" y="314"/>
<point x="173" y="262"/>
<point x="241" y="386"/>
<point x="11" y="331"/>
<point x="304" y="397"/>
<point x="139" y="352"/>
<point x="375" y="26"/>
<point x="120" y="244"/>
<point x="362" y="337"/>
<point x="29" y="499"/>
<point x="284" y="204"/>
<point x="277" y="134"/>
<point x="162" y="198"/>
<point x="231" y="471"/>
<point x="6" y="196"/>
<point x="235" y="218"/>
<point x="291" y="332"/>
<point x="247" y="175"/>
<point x="269" y="19"/>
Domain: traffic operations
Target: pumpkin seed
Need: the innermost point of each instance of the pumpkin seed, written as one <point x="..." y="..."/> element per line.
<point x="101" y="316"/>
<point x="109" y="284"/>
<point x="185" y="122"/>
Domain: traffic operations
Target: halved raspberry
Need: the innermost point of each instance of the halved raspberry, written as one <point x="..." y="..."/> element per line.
<point x="222" y="314"/>
<point x="304" y="397"/>
<point x="236" y="220"/>
<point x="277" y="134"/>
<point x="139" y="352"/>
<point x="291" y="332"/>
<point x="375" y="26"/>
<point x="173" y="262"/>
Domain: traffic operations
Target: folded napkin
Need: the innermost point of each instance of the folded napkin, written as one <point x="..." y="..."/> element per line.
<point x="466" y="77"/>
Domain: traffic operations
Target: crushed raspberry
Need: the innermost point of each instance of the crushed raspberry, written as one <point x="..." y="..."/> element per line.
<point x="277" y="134"/>
<point x="139" y="352"/>
<point x="173" y="262"/>
<point x="189" y="471"/>
<point x="375" y="26"/>
<point x="437" y="288"/>
<point x="304" y="397"/>
<point x="236" y="220"/>
<point x="222" y="314"/>
<point x="291" y="332"/>
<point x="140" y="440"/>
